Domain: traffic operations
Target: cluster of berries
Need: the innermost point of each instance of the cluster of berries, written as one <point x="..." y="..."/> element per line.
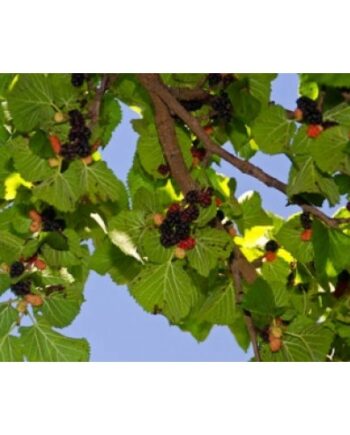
<point x="21" y="288"/>
<point x="175" y="228"/>
<point x="214" y="79"/>
<point x="79" y="135"/>
<point x="192" y="105"/>
<point x="306" y="223"/>
<point x="198" y="152"/>
<point x="222" y="107"/>
<point x="77" y="80"/>
<point x="271" y="249"/>
<point x="46" y="221"/>
<point x="308" y="112"/>
<point x="343" y="284"/>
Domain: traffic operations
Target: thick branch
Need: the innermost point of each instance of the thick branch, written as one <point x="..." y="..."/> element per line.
<point x="242" y="165"/>
<point x="168" y="140"/>
<point x="189" y="94"/>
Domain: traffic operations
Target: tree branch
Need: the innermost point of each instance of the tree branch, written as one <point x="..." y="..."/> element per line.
<point x="95" y="107"/>
<point x="237" y="279"/>
<point x="168" y="140"/>
<point x="242" y="165"/>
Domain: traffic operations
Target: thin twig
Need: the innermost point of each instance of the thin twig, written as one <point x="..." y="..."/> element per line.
<point x="95" y="107"/>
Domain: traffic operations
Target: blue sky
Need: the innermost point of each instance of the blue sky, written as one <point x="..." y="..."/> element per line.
<point x="116" y="327"/>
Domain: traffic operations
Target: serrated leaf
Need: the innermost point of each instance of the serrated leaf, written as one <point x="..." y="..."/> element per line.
<point x="308" y="179"/>
<point x="211" y="244"/>
<point x="239" y="330"/>
<point x="30" y="102"/>
<point x="246" y="106"/>
<point x="275" y="271"/>
<point x="146" y="200"/>
<point x="219" y="308"/>
<point x="259" y="298"/>
<point x="107" y="258"/>
<point x="10" y="349"/>
<point x="206" y="215"/>
<point x="336" y="79"/>
<point x="29" y="165"/>
<point x="260" y="86"/>
<point x="8" y="316"/>
<point x="4" y="282"/>
<point x="150" y="151"/>
<point x="10" y="246"/>
<point x="328" y="148"/>
<point x="252" y="212"/>
<point x="339" y="114"/>
<point x="303" y="341"/>
<point x="152" y="248"/>
<point x="110" y="117"/>
<point x="42" y="343"/>
<point x="131" y="222"/>
<point x="289" y="237"/>
<point x="272" y="131"/>
<point x="166" y="287"/>
<point x="60" y="190"/>
<point x="98" y="182"/>
<point x="61" y="309"/>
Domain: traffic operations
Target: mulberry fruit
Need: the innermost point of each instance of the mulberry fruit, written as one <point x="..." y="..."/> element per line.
<point x="16" y="269"/>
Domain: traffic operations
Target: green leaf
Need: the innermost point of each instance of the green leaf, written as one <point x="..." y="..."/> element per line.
<point x="206" y="214"/>
<point x="239" y="330"/>
<point x="5" y="282"/>
<point x="260" y="86"/>
<point x="328" y="148"/>
<point x="150" y="151"/>
<point x="10" y="349"/>
<point x="336" y="80"/>
<point x="259" y="298"/>
<point x="166" y="287"/>
<point x="308" y="179"/>
<point x="60" y="190"/>
<point x="29" y="165"/>
<point x="61" y="309"/>
<point x="219" y="308"/>
<point x="110" y="117"/>
<point x="246" y="106"/>
<point x="129" y="222"/>
<point x="97" y="181"/>
<point x="30" y="102"/>
<point x="42" y="343"/>
<point x="289" y="237"/>
<point x="272" y="131"/>
<point x="146" y="200"/>
<point x="8" y="316"/>
<point x="211" y="245"/>
<point x="252" y="212"/>
<point x="65" y="257"/>
<point x="10" y="246"/>
<point x="107" y="258"/>
<point x="152" y="248"/>
<point x="303" y="341"/>
<point x="339" y="114"/>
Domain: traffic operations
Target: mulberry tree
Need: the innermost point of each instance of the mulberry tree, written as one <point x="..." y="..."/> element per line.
<point x="175" y="234"/>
